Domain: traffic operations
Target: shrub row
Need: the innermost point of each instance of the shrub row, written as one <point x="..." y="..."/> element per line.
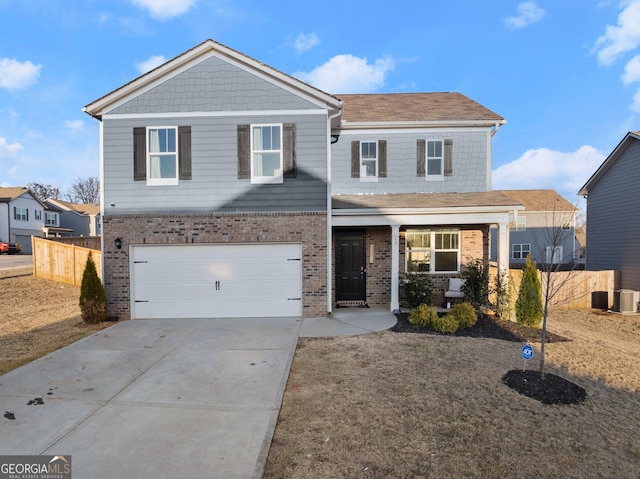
<point x="461" y="316"/>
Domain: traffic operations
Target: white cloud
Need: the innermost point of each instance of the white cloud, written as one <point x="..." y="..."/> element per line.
<point x="150" y="63"/>
<point x="7" y="149"/>
<point x="304" y="42"/>
<point x="543" y="168"/>
<point x="349" y="74"/>
<point x="15" y="74"/>
<point x="621" y="38"/>
<point x="73" y="124"/>
<point x="165" y="8"/>
<point x="528" y="13"/>
<point x="632" y="71"/>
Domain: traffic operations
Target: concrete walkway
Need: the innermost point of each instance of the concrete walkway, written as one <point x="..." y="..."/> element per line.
<point x="164" y="398"/>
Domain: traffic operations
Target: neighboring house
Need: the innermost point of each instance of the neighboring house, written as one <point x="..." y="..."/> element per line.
<point x="232" y="189"/>
<point x="81" y="219"/>
<point x="545" y="229"/>
<point x="613" y="213"/>
<point x="23" y="215"/>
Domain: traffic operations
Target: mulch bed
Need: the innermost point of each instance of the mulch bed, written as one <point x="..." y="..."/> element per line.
<point x="550" y="390"/>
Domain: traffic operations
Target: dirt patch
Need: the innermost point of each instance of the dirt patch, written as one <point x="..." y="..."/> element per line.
<point x="418" y="405"/>
<point x="37" y="317"/>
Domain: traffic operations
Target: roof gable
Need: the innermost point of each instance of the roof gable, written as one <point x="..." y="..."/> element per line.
<point x="196" y="55"/>
<point x="540" y="200"/>
<point x="79" y="208"/>
<point x="609" y="161"/>
<point x="8" y="194"/>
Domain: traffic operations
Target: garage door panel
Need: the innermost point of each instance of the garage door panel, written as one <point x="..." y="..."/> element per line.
<point x="216" y="280"/>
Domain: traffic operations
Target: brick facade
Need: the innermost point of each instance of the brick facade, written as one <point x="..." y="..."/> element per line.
<point x="309" y="229"/>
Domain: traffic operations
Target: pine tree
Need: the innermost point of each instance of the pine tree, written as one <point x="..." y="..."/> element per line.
<point x="529" y="302"/>
<point x="93" y="298"/>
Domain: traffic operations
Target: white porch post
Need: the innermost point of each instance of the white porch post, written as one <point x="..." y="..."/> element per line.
<point x="395" y="264"/>
<point x="503" y="248"/>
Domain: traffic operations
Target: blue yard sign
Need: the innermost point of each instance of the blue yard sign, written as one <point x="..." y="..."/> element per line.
<point x="527" y="354"/>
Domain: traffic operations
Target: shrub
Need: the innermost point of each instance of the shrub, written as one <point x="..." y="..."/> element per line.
<point x="423" y="315"/>
<point x="417" y="289"/>
<point x="476" y="283"/>
<point x="93" y="298"/>
<point x="502" y="305"/>
<point x="528" y="310"/>
<point x="465" y="314"/>
<point x="446" y="324"/>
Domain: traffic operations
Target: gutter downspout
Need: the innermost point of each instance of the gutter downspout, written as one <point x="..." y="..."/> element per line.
<point x="329" y="208"/>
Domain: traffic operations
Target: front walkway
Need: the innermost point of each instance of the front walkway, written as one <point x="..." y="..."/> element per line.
<point x="348" y="322"/>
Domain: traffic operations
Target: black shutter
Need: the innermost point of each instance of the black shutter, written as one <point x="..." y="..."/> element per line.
<point x="289" y="150"/>
<point x="244" y="152"/>
<point x="382" y="158"/>
<point x="448" y="157"/>
<point x="355" y="159"/>
<point x="184" y="152"/>
<point x="421" y="158"/>
<point x="139" y="154"/>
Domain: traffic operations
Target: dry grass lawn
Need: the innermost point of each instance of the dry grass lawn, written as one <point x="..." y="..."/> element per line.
<point x="37" y="317"/>
<point x="407" y="405"/>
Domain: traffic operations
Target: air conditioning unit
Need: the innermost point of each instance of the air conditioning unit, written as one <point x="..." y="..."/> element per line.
<point x="626" y="301"/>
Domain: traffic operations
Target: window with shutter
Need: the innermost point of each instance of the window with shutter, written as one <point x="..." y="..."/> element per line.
<point x="162" y="155"/>
<point x="369" y="160"/>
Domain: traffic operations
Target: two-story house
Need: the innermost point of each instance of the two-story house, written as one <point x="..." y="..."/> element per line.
<point x="80" y="219"/>
<point x="232" y="189"/>
<point x="23" y="215"/>
<point x="545" y="229"/>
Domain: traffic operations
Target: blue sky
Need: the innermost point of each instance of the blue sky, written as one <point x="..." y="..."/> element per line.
<point x="564" y="73"/>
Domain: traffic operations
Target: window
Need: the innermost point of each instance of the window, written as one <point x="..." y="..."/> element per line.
<point x="434" y="158"/>
<point x="432" y="251"/>
<point x="50" y="219"/>
<point x="520" y="251"/>
<point x="162" y="156"/>
<point x="554" y="254"/>
<point x="521" y="223"/>
<point x="368" y="159"/>
<point x="266" y="153"/>
<point x="37" y="214"/>
<point x="20" y="214"/>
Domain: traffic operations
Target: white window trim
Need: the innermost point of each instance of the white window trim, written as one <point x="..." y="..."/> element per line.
<point x="363" y="176"/>
<point x="433" y="251"/>
<point x="37" y="215"/>
<point x="261" y="180"/>
<point x="521" y="255"/>
<point x="557" y="253"/>
<point x="426" y="161"/>
<point x="21" y="214"/>
<point x="162" y="181"/>
<point x="50" y="215"/>
<point x="521" y="223"/>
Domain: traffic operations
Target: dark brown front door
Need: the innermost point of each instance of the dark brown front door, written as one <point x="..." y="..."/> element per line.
<point x="350" y="266"/>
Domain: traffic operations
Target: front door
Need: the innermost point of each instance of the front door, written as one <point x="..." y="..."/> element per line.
<point x="351" y="273"/>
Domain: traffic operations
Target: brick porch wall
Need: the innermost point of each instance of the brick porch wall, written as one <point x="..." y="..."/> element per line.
<point x="310" y="229"/>
<point x="378" y="271"/>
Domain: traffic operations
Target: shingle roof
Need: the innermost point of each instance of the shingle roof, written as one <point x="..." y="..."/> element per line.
<point x="414" y="107"/>
<point x="8" y="193"/>
<point x="423" y="200"/>
<point x="82" y="208"/>
<point x="540" y="200"/>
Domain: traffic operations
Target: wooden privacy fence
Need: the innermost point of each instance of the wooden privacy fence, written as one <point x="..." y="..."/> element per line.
<point x="62" y="262"/>
<point x="570" y="289"/>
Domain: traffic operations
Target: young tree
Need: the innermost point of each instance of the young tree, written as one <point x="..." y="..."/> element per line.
<point x="528" y="304"/>
<point x="42" y="191"/>
<point x="85" y="191"/>
<point x="93" y="298"/>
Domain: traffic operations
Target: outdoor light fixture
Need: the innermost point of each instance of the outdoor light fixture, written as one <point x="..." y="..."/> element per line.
<point x="119" y="243"/>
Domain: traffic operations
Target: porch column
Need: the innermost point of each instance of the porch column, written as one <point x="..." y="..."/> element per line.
<point x="395" y="264"/>
<point x="503" y="248"/>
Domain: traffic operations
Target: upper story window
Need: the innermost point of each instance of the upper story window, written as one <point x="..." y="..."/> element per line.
<point x="266" y="153"/>
<point x="432" y="251"/>
<point x="20" y="214"/>
<point x="554" y="254"/>
<point x="162" y="156"/>
<point x="369" y="160"/>
<point x="50" y="219"/>
<point x="37" y="214"/>
<point x="434" y="158"/>
<point x="521" y="223"/>
<point x="520" y="251"/>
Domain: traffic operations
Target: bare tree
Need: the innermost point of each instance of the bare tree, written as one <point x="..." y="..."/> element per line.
<point x="85" y="191"/>
<point x="42" y="191"/>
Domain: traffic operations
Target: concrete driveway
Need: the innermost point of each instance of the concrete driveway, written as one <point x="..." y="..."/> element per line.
<point x="155" y="399"/>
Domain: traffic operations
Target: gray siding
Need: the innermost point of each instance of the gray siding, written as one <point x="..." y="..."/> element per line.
<point x="470" y="163"/>
<point x="80" y="224"/>
<point x="214" y="85"/>
<point x="613" y="219"/>
<point x="539" y="238"/>
<point x="214" y="186"/>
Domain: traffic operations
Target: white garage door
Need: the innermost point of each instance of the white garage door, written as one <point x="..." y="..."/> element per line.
<point x="207" y="281"/>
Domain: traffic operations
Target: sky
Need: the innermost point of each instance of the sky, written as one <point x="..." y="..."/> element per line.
<point x="565" y="74"/>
